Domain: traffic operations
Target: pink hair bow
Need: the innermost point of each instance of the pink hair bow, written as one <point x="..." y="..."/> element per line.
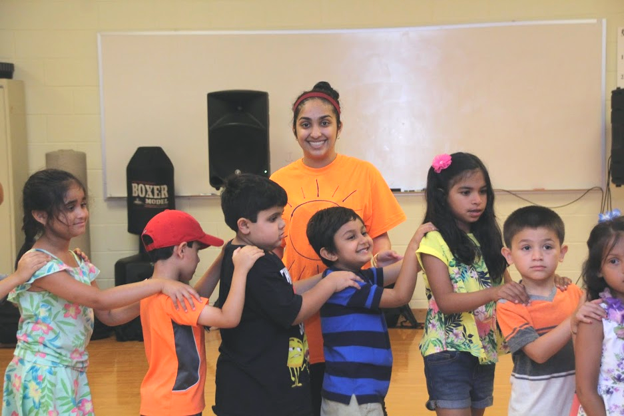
<point x="441" y="162"/>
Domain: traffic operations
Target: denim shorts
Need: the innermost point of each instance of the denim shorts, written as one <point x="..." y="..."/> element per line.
<point x="456" y="380"/>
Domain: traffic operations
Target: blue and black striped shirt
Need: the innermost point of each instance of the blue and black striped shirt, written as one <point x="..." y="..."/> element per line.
<point x="358" y="358"/>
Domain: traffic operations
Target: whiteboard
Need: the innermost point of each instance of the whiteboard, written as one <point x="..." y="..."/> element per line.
<point x="526" y="97"/>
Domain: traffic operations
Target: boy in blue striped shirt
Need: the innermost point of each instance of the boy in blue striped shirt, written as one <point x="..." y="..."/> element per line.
<point x="358" y="358"/>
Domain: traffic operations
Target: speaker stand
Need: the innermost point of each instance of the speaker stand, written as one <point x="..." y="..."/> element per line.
<point x="130" y="270"/>
<point x="410" y="321"/>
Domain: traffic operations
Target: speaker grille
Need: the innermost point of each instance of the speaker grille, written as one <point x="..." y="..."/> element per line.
<point x="238" y="138"/>
<point x="617" y="137"/>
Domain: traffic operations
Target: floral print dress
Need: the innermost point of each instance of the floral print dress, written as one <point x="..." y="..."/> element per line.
<point x="47" y="375"/>
<point x="475" y="332"/>
<point x="611" y="376"/>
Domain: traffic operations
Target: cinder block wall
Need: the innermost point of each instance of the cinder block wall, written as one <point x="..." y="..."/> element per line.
<point x="54" y="47"/>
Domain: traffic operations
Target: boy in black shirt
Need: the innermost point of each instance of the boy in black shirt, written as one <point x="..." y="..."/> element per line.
<point x="263" y="367"/>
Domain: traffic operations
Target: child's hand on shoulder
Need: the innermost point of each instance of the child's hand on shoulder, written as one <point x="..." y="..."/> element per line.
<point x="513" y="292"/>
<point x="587" y="312"/>
<point x="342" y="280"/>
<point x="386" y="258"/>
<point x="420" y="233"/>
<point x="562" y="282"/>
<point x="30" y="263"/>
<point x="180" y="293"/>
<point x="82" y="255"/>
<point x="245" y="257"/>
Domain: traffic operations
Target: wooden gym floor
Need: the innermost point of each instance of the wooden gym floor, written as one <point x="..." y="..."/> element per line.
<point x="117" y="368"/>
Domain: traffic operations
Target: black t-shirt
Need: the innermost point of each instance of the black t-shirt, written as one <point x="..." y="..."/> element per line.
<point x="263" y="367"/>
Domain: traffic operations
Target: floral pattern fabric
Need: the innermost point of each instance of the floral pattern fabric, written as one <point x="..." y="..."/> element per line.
<point x="47" y="375"/>
<point x="475" y="332"/>
<point x="611" y="376"/>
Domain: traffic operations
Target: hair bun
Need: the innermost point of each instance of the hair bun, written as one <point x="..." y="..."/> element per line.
<point x="326" y="88"/>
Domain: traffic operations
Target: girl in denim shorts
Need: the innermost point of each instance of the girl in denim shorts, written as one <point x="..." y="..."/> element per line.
<point x="465" y="275"/>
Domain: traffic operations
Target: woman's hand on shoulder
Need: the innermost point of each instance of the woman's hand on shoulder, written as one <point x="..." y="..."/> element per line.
<point x="180" y="293"/>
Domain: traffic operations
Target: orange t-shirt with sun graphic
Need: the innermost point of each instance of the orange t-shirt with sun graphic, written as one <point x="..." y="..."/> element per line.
<point x="346" y="182"/>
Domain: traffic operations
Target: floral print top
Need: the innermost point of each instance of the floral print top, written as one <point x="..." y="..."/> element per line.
<point x="611" y="376"/>
<point x="53" y="331"/>
<point x="475" y="332"/>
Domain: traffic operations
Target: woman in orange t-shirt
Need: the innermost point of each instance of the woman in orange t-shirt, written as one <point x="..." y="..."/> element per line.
<point x="321" y="179"/>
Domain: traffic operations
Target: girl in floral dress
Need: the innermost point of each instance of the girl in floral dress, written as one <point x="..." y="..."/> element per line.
<point x="465" y="274"/>
<point x="25" y="268"/>
<point x="47" y="375"/>
<point x="599" y="347"/>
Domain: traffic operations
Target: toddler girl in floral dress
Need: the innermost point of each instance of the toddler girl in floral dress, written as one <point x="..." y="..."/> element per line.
<point x="599" y="348"/>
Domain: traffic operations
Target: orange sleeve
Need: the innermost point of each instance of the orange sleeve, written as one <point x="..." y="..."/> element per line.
<point x="383" y="212"/>
<point x="181" y="317"/>
<point x="512" y="318"/>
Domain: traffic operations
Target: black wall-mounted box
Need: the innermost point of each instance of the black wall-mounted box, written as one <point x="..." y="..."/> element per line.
<point x="6" y="70"/>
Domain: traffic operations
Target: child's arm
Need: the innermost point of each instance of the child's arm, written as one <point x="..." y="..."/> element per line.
<point x="206" y="285"/>
<point x="389" y="260"/>
<point x="403" y="289"/>
<point x="547" y="345"/>
<point x="27" y="265"/>
<point x="550" y="343"/>
<point x="392" y="268"/>
<point x="587" y="312"/>
<point x="66" y="287"/>
<point x="588" y="353"/>
<point x="303" y="285"/>
<point x="382" y="243"/>
<point x="450" y="302"/>
<point x="314" y="298"/>
<point x="121" y="315"/>
<point x="117" y="316"/>
<point x="230" y="314"/>
<point x="385" y="259"/>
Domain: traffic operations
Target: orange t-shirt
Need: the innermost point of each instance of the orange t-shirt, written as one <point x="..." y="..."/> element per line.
<point x="175" y="350"/>
<point x="346" y="182"/>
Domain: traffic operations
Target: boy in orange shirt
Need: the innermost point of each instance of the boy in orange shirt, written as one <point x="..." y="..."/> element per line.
<point x="539" y="334"/>
<point x="174" y="339"/>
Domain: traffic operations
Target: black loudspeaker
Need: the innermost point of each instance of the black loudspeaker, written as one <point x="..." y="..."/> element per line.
<point x="130" y="270"/>
<point x="238" y="134"/>
<point x="617" y="137"/>
<point x="9" y="319"/>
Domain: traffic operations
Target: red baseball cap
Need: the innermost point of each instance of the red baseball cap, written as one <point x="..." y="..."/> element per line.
<point x="172" y="227"/>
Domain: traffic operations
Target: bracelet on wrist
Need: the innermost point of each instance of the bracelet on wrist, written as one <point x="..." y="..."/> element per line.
<point x="374" y="261"/>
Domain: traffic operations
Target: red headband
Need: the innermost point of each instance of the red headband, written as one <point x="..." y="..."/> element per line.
<point x="318" y="95"/>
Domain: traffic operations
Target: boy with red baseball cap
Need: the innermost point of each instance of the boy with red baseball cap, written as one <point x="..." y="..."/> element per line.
<point x="174" y="339"/>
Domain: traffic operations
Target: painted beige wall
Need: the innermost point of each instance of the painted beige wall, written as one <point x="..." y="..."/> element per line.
<point x="53" y="46"/>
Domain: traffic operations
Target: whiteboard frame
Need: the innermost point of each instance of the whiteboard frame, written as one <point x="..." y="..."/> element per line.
<point x="101" y="35"/>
